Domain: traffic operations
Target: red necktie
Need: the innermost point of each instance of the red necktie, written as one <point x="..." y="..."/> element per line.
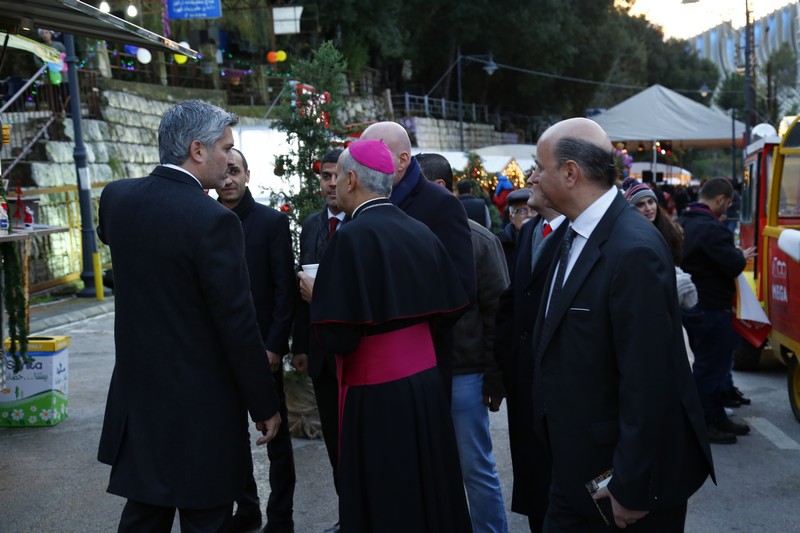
<point x="332" y="223"/>
<point x="546" y="230"/>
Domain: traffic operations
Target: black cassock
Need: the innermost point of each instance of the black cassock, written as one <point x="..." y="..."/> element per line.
<point x="384" y="282"/>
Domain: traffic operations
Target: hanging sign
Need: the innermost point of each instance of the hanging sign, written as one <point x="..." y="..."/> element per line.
<point x="194" y="9"/>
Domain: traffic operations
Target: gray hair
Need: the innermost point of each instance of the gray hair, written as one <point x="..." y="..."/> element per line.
<point x="189" y="121"/>
<point x="595" y="161"/>
<point x="372" y="180"/>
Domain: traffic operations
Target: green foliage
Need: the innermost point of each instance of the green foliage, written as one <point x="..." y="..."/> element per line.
<point x="309" y="124"/>
<point x="16" y="305"/>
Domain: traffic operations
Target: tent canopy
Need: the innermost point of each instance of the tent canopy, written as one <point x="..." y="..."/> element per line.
<point x="78" y="18"/>
<point x="658" y="113"/>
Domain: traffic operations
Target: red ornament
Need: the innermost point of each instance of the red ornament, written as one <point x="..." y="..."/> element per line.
<point x="272" y="56"/>
<point x="286" y="208"/>
<point x="316" y="167"/>
<point x="278" y="171"/>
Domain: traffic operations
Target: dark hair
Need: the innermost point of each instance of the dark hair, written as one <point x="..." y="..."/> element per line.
<point x="714" y="187"/>
<point x="437" y="167"/>
<point x="332" y="156"/>
<point x="244" y="159"/>
<point x="671" y="232"/>
<point x="595" y="161"/>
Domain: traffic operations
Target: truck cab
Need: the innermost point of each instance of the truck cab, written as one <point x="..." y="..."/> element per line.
<point x="770" y="221"/>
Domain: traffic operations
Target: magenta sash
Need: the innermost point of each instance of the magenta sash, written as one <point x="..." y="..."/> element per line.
<point x="383" y="358"/>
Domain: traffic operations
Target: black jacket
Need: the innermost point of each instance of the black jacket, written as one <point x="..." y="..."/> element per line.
<point x="474" y="332"/>
<point x="710" y="256"/>
<point x="268" y="250"/>
<point x="186" y="341"/>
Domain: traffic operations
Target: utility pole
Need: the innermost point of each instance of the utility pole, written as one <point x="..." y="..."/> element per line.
<point x="749" y="67"/>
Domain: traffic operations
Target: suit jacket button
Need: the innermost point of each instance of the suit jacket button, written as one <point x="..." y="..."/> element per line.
<point x="528" y="292"/>
<point x="524" y="335"/>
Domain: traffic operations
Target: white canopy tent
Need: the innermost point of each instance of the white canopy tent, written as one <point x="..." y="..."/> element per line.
<point x="659" y="114"/>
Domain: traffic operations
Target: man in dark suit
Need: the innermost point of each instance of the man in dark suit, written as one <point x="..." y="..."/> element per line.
<point x="519" y="304"/>
<point x="307" y="356"/>
<point x="438" y="209"/>
<point x="613" y="390"/>
<point x="268" y="250"/>
<point x="189" y="357"/>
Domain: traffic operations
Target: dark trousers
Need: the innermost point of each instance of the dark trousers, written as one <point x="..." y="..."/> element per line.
<point x="281" y="470"/>
<point x="138" y="517"/>
<point x="713" y="344"/>
<point x="326" y="390"/>
<point x="562" y="518"/>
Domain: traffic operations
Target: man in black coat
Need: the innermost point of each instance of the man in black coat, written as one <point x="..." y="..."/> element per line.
<point x="189" y="357"/>
<point x="268" y="250"/>
<point x="714" y="261"/>
<point x="519" y="304"/>
<point x="307" y="356"/>
<point x="613" y="391"/>
<point x="440" y="211"/>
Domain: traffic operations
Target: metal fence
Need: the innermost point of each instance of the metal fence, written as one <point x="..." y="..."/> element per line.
<point x="411" y="105"/>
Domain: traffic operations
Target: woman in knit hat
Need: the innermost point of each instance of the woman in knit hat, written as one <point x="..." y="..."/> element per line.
<point x="644" y="200"/>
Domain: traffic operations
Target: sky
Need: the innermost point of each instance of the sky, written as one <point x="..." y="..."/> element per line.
<point x="687" y="20"/>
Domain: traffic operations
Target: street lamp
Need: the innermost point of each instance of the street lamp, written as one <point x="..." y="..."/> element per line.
<point x="489" y="66"/>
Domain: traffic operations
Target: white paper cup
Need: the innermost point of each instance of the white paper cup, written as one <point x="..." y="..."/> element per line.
<point x="311" y="270"/>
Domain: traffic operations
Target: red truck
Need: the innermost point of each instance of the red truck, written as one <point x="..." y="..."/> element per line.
<point x="770" y="221"/>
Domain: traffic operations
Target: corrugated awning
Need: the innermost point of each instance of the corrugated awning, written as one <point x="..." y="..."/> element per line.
<point x="78" y="18"/>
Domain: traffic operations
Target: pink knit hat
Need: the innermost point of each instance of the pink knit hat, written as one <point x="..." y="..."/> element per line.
<point x="374" y="154"/>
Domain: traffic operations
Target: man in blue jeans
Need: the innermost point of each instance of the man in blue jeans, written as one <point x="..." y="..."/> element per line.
<point x="477" y="382"/>
<point x="714" y="261"/>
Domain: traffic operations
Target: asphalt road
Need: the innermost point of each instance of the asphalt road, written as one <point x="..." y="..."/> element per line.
<point x="50" y="480"/>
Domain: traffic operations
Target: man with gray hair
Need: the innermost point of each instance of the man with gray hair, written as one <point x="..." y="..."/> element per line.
<point x="385" y="281"/>
<point x="189" y="357"/>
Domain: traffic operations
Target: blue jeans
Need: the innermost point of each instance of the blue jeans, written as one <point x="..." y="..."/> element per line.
<point x="471" y="423"/>
<point x="714" y="342"/>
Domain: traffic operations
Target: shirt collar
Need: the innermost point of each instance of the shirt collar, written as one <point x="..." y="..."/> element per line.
<point x="340" y="216"/>
<point x="176" y="167"/>
<point x="587" y="221"/>
<point x="556" y="222"/>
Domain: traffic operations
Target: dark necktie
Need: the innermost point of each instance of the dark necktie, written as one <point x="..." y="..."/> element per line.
<point x="332" y="223"/>
<point x="563" y="259"/>
<point x="546" y="229"/>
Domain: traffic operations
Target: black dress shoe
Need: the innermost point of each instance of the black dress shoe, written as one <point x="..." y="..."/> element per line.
<point x="334" y="529"/>
<point x="715" y="436"/>
<point x="245" y="522"/>
<point x="729" y="426"/>
<point x="744" y="400"/>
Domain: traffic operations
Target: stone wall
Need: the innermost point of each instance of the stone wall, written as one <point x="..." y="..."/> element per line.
<point x="441" y="134"/>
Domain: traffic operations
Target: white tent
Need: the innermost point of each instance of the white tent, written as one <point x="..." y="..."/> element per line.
<point x="659" y="114"/>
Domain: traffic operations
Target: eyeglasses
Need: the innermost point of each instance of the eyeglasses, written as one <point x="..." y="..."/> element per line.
<point x="524" y="211"/>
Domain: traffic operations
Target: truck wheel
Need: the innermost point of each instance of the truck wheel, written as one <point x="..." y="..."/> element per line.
<point x="746" y="357"/>
<point x="794" y="388"/>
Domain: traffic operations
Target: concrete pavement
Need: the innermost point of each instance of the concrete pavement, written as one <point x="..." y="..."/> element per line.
<point x="50" y="479"/>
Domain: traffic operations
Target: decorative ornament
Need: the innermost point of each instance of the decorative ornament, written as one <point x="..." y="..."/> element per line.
<point x="144" y="56"/>
<point x="180" y="58"/>
<point x="280" y="55"/>
<point x="317" y="166"/>
<point x="278" y="171"/>
<point x="272" y="56"/>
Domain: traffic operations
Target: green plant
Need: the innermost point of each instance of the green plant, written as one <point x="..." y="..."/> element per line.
<point x="15" y="304"/>
<point x="309" y="118"/>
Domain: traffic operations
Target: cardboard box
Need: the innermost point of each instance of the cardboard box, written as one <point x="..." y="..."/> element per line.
<point x="37" y="395"/>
